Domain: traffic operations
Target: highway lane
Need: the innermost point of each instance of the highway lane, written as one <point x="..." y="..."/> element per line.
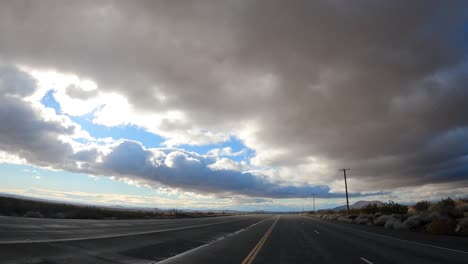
<point x="238" y="239"/>
<point x="117" y="241"/>
<point x="301" y="239"/>
<point x="316" y="240"/>
<point x="26" y="230"/>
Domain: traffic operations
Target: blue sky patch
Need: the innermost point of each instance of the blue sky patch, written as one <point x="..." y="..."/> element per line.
<point x="131" y="132"/>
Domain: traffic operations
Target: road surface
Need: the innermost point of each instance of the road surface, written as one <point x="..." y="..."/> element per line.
<point x="235" y="239"/>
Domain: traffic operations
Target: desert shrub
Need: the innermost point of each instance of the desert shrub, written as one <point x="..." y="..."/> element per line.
<point x="389" y="223"/>
<point x="446" y="207"/>
<point x="456" y="213"/>
<point x="394" y="223"/>
<point x="370" y="209"/>
<point x="422" y="206"/>
<point x="447" y="202"/>
<point x="417" y="221"/>
<point x="463" y="207"/>
<point x="364" y="219"/>
<point x="385" y="208"/>
<point x="353" y="216"/>
<point x="462" y="227"/>
<point x="442" y="226"/>
<point x="344" y="219"/>
<point x="351" y="211"/>
<point x="331" y="217"/>
<point x="393" y="208"/>
<point x="433" y="216"/>
<point x="33" y="214"/>
<point x="326" y="211"/>
<point x="381" y="220"/>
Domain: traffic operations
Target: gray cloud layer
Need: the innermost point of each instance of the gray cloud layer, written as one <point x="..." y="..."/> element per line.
<point x="377" y="86"/>
<point x="23" y="131"/>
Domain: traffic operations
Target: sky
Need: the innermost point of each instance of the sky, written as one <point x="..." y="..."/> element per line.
<point x="243" y="105"/>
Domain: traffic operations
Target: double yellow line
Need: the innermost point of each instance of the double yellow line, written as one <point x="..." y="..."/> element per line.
<point x="251" y="257"/>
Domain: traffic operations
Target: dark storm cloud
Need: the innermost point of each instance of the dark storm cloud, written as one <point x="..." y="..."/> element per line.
<point x="22" y="130"/>
<point x="379" y="86"/>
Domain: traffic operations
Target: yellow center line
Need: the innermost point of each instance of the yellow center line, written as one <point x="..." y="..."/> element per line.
<point x="251" y="256"/>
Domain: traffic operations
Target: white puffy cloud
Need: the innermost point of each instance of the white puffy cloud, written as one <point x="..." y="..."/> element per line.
<point x="6" y="157"/>
<point x="226" y="151"/>
<point x="193" y="172"/>
<point x="178" y="159"/>
<point x="227" y="164"/>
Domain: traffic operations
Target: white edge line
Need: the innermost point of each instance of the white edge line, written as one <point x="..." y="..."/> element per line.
<point x="403" y="240"/>
<point x="110" y="236"/>
<point x="366" y="261"/>
<point x="214" y="241"/>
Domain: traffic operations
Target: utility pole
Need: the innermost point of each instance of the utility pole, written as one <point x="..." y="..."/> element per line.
<point x="346" y="187"/>
<point x="313" y="197"/>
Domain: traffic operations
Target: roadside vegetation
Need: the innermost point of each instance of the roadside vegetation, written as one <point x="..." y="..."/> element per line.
<point x="445" y="217"/>
<point x="39" y="209"/>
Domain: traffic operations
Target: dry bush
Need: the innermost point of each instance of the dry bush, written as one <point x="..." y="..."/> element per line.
<point x="462" y="227"/>
<point x="393" y="208"/>
<point x="353" y="216"/>
<point x="332" y="217"/>
<point x="394" y="223"/>
<point x="442" y="226"/>
<point x="370" y="209"/>
<point x="381" y="220"/>
<point x="463" y="207"/>
<point x="412" y="210"/>
<point x="344" y="219"/>
<point x="422" y="206"/>
<point x="434" y="215"/>
<point x="446" y="207"/>
<point x="364" y="219"/>
<point x="417" y="221"/>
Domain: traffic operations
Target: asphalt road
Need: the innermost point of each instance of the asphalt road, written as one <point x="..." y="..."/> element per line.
<point x="236" y="239"/>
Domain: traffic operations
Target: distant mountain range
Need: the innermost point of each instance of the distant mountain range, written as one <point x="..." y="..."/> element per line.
<point x="357" y="205"/>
